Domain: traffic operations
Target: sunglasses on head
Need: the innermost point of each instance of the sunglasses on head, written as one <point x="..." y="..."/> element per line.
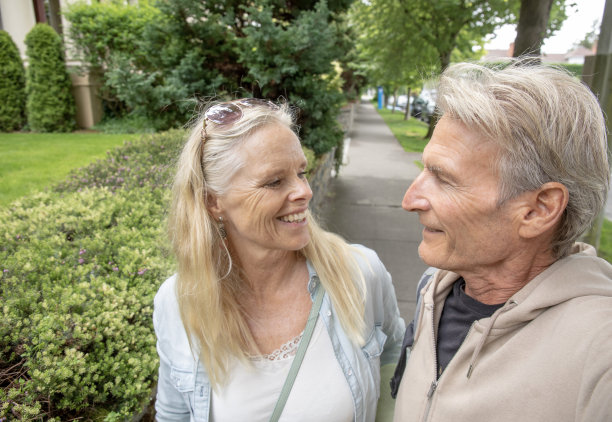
<point x="231" y="112"/>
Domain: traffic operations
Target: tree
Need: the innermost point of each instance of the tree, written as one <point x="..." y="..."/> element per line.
<point x="391" y="53"/>
<point x="590" y="38"/>
<point x="192" y="51"/>
<point x="50" y="104"/>
<point x="538" y="19"/>
<point x="12" y="85"/>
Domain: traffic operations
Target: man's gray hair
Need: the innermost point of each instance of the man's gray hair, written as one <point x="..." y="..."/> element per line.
<point x="549" y="126"/>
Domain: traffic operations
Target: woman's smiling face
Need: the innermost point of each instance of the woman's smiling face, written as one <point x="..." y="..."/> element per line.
<point x="266" y="203"/>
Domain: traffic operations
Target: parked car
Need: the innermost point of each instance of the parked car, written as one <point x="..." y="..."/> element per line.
<point x="419" y="107"/>
<point x="423" y="108"/>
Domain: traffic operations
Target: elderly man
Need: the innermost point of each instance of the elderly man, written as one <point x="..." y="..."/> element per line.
<point x="516" y="325"/>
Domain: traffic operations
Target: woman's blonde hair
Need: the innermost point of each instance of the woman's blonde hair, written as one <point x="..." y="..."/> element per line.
<point x="207" y="282"/>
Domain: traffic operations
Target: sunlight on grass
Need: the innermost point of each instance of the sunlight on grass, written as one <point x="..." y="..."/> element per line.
<point x="29" y="162"/>
<point x="409" y="133"/>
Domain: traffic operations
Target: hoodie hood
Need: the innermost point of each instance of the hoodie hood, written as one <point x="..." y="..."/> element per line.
<point x="579" y="274"/>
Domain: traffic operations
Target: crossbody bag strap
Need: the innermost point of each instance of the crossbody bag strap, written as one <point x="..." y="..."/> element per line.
<point x="299" y="355"/>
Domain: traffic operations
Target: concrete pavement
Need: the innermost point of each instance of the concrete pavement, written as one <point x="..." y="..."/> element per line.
<point x="364" y="202"/>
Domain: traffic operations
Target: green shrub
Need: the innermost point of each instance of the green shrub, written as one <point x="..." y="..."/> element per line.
<point x="574" y="68"/>
<point x="146" y="162"/>
<point x="101" y="30"/>
<point x="50" y="104"/>
<point x="79" y="276"/>
<point x="12" y="85"/>
<point x="80" y="266"/>
<point x="297" y="59"/>
<point x="183" y="52"/>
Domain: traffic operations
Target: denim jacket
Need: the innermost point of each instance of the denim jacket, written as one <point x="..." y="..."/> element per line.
<point x="184" y="390"/>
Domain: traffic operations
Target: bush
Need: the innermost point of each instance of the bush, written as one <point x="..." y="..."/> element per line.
<point x="103" y="30"/>
<point x="12" y="85"/>
<point x="79" y="276"/>
<point x="297" y="60"/>
<point x="50" y="104"/>
<point x="80" y="266"/>
<point x="217" y="51"/>
<point x="574" y="68"/>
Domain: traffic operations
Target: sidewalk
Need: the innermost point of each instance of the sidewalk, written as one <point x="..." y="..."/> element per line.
<point x="364" y="203"/>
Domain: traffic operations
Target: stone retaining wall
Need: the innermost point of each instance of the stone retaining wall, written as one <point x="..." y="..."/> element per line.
<point x="322" y="174"/>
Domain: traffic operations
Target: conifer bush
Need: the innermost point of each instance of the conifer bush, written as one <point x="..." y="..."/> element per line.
<point x="50" y="104"/>
<point x="12" y="85"/>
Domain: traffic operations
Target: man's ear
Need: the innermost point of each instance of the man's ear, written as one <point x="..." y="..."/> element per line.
<point x="543" y="209"/>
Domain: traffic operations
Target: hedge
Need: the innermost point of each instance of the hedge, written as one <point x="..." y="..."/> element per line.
<point x="12" y="85"/>
<point x="80" y="266"/>
<point x="50" y="104"/>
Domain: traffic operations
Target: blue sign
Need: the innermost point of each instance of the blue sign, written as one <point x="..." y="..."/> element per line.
<point x="381" y="95"/>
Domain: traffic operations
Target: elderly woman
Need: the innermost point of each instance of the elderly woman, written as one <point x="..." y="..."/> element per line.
<point x="268" y="315"/>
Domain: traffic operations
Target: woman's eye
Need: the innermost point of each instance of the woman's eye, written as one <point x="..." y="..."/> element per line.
<point x="302" y="175"/>
<point x="273" y="184"/>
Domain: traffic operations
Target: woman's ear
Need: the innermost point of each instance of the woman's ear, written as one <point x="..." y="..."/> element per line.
<point x="544" y="209"/>
<point x="213" y="204"/>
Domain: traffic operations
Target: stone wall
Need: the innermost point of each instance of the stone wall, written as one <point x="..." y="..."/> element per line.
<point x="319" y="181"/>
<point x="321" y="176"/>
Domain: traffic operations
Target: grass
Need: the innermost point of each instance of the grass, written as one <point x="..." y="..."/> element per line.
<point x="29" y="162"/>
<point x="409" y="133"/>
<point x="605" y="241"/>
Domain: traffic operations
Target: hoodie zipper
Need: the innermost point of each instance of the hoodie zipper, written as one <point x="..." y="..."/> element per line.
<point x="434" y="384"/>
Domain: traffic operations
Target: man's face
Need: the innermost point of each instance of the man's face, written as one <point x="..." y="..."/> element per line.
<point x="456" y="198"/>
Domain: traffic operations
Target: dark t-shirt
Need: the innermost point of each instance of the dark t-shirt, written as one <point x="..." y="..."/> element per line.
<point x="460" y="311"/>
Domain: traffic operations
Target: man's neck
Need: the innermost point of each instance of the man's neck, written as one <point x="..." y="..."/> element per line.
<point x="496" y="285"/>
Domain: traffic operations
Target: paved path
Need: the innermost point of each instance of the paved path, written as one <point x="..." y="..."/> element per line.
<point x="364" y="204"/>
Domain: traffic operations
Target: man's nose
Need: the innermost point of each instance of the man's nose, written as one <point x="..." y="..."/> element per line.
<point x="414" y="199"/>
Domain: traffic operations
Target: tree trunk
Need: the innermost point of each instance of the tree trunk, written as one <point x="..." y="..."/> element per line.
<point x="433" y="119"/>
<point x="407" y="112"/>
<point x="531" y="28"/>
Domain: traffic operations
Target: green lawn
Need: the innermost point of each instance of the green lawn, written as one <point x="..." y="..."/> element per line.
<point x="409" y="133"/>
<point x="605" y="241"/>
<point x="29" y="162"/>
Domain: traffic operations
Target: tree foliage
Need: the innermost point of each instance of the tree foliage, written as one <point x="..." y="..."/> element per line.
<point x="98" y="31"/>
<point x="392" y="53"/>
<point x="189" y="51"/>
<point x="50" y="104"/>
<point x="12" y="85"/>
<point x="590" y="38"/>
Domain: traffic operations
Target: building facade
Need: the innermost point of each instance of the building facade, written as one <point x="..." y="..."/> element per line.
<point x="18" y="17"/>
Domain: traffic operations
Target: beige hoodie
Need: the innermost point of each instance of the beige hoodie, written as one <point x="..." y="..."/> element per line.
<point x="546" y="355"/>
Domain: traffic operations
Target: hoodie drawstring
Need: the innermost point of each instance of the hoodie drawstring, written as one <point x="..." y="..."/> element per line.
<point x="511" y="304"/>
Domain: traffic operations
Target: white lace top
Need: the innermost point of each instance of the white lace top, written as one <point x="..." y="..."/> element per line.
<point x="320" y="392"/>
